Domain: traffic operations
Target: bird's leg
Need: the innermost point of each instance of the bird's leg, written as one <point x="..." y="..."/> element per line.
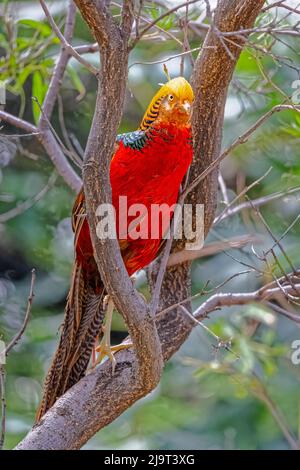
<point x="94" y="353"/>
<point x="105" y="348"/>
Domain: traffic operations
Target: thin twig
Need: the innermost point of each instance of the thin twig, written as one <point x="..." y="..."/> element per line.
<point x="240" y="140"/>
<point x="167" y="59"/>
<point x="261" y="201"/>
<point x="29" y="203"/>
<point x="209" y="249"/>
<point x="5" y="353"/>
<point x="87" y="48"/>
<point x="18" y="336"/>
<point x="223" y="188"/>
<point x="60" y="67"/>
<point x="292" y="316"/>
<point x="230" y="299"/>
<point x="51" y="146"/>
<point x="3" y="404"/>
<point x="65" y="43"/>
<point x="241" y="194"/>
<point x="157" y="20"/>
<point x="75" y="158"/>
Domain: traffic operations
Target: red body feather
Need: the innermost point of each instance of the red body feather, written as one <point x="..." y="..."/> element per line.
<point x="149" y="176"/>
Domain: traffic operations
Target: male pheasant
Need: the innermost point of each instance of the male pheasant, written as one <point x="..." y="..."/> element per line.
<point x="147" y="167"/>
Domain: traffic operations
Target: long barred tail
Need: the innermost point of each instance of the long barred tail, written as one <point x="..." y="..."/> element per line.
<point x="82" y="324"/>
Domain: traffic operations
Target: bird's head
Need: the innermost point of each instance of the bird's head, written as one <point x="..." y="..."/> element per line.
<point x="171" y="104"/>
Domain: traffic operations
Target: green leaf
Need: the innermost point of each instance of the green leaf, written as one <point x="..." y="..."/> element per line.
<point x="43" y="28"/>
<point x="25" y="74"/>
<point x="38" y="91"/>
<point x="77" y="83"/>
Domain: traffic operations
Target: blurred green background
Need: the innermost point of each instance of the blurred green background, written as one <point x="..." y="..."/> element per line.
<point x="209" y="398"/>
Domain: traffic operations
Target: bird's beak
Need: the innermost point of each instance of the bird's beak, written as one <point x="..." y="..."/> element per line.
<point x="184" y="107"/>
<point x="187" y="107"/>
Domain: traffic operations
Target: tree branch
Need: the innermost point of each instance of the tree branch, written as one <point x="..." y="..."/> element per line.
<point x="5" y="353"/>
<point x="67" y="49"/>
<point x="60" y="67"/>
<point x="209" y="249"/>
<point x="52" y="148"/>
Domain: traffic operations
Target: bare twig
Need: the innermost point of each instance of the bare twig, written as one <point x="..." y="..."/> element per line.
<point x="3" y="405"/>
<point x="161" y="17"/>
<point x="280" y="4"/>
<point x="275" y="239"/>
<point x="277" y="415"/>
<point x="223" y="188"/>
<point x="209" y="249"/>
<point x="24" y="206"/>
<point x="87" y="48"/>
<point x="71" y="51"/>
<point x="241" y="194"/>
<point x="60" y="67"/>
<point x="51" y="146"/>
<point x="30" y="129"/>
<point x="18" y="336"/>
<point x="292" y="316"/>
<point x="164" y="261"/>
<point x="71" y="151"/>
<point x="5" y="353"/>
<point x="227" y="300"/>
<point x="240" y="140"/>
<point x="167" y="59"/>
<point x="220" y="342"/>
<point x="261" y="201"/>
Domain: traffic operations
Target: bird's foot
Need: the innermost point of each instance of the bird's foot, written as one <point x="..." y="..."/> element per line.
<point x="105" y="348"/>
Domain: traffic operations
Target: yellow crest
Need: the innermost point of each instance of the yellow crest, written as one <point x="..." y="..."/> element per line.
<point x="178" y="87"/>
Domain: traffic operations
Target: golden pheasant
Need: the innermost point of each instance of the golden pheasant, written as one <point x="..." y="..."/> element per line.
<point x="147" y="167"/>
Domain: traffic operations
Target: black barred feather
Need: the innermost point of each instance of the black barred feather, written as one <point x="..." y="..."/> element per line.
<point x="82" y="324"/>
<point x="151" y="115"/>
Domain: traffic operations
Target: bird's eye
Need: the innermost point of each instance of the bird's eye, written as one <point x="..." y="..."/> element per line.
<point x="171" y="97"/>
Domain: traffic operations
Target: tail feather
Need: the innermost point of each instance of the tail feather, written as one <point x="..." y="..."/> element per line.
<point x="82" y="324"/>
